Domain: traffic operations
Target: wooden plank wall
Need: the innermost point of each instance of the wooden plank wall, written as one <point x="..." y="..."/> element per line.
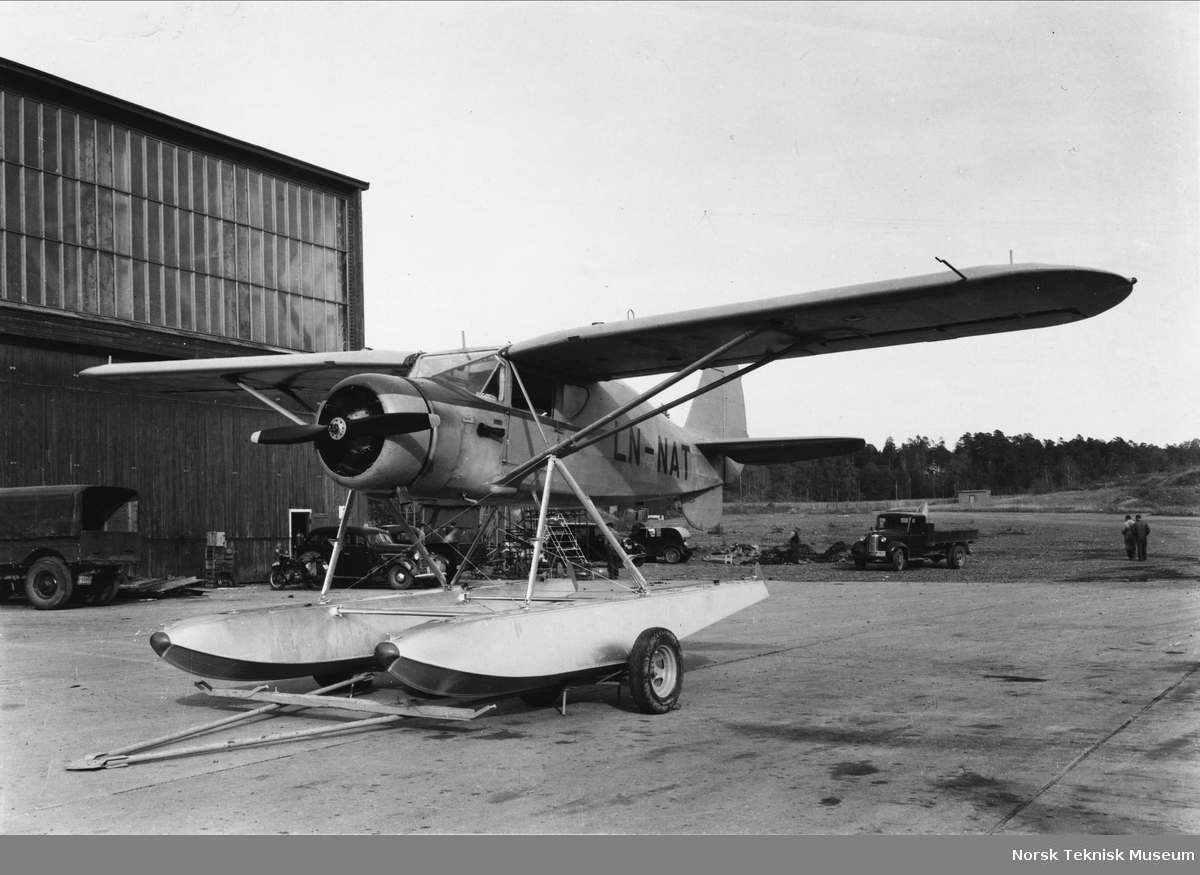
<point x="191" y="461"/>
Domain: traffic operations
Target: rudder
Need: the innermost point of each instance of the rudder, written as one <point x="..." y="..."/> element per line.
<point x="721" y="412"/>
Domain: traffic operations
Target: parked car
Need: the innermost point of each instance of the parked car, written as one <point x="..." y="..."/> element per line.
<point x="57" y="542"/>
<point x="446" y="545"/>
<point x="368" y="555"/>
<point x="663" y="543"/>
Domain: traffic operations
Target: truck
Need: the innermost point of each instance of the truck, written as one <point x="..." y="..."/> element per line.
<point x="663" y="543"/>
<point x="59" y="542"/>
<point x="903" y="537"/>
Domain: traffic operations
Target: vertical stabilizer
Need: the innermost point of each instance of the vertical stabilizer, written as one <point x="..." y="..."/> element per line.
<point x="720" y="413"/>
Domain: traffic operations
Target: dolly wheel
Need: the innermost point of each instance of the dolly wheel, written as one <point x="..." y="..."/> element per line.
<point x="49" y="584"/>
<point x="655" y="671"/>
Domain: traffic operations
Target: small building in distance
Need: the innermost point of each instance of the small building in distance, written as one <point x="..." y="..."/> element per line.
<point x="973" y="496"/>
<point x="128" y="235"/>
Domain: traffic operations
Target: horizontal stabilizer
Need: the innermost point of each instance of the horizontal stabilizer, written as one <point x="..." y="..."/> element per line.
<point x="764" y="451"/>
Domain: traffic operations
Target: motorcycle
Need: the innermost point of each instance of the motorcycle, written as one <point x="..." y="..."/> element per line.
<point x="306" y="570"/>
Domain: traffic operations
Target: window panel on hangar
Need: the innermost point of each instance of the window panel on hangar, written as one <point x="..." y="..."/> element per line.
<point x="101" y="219"/>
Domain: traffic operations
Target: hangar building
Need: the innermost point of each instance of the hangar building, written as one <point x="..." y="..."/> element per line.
<point x="127" y="235"/>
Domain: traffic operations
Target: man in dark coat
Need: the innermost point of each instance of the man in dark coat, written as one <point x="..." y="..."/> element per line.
<point x="1141" y="534"/>
<point x="1127" y="534"/>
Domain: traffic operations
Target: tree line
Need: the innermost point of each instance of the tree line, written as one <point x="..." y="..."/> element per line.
<point x="919" y="468"/>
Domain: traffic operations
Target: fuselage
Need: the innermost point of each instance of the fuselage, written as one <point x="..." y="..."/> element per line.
<point x="492" y="419"/>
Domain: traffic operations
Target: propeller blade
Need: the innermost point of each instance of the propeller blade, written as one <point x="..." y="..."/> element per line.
<point x="385" y="424"/>
<point x="381" y="425"/>
<point x="289" y="434"/>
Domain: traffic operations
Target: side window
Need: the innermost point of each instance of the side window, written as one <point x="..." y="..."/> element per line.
<point x="493" y="389"/>
<point x="541" y="394"/>
<point x="574" y="399"/>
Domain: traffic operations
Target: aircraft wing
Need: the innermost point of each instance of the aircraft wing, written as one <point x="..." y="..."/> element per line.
<point x="942" y="306"/>
<point x="765" y="451"/>
<point x="313" y="372"/>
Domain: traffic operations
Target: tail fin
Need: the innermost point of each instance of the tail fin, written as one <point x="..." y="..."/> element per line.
<point x="720" y="413"/>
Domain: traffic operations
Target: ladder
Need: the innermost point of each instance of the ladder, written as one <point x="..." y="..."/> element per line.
<point x="565" y="548"/>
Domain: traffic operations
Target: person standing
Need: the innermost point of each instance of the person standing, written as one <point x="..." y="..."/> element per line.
<point x="1141" y="534"/>
<point x="1127" y="534"/>
<point x="794" y="546"/>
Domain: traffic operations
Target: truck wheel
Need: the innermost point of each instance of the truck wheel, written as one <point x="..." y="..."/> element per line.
<point x="103" y="590"/>
<point x="956" y="557"/>
<point x="860" y="564"/>
<point x="49" y="584"/>
<point x="655" y="671"/>
<point x="672" y="555"/>
<point x="898" y="559"/>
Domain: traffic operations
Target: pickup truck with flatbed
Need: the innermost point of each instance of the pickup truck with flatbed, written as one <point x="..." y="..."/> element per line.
<point x="901" y="538"/>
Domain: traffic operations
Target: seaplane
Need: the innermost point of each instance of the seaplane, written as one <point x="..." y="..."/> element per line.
<point x="551" y="423"/>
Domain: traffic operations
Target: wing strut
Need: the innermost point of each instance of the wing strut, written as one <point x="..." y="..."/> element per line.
<point x="570" y="444"/>
<point x="716" y="384"/>
<point x="278" y="408"/>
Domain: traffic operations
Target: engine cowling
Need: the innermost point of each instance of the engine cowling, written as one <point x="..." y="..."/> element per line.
<point x="374" y="462"/>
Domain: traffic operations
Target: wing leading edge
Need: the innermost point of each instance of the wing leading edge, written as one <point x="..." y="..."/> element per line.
<point x="313" y="372"/>
<point x="943" y="306"/>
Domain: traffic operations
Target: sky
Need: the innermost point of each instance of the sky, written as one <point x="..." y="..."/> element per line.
<point x="540" y="166"/>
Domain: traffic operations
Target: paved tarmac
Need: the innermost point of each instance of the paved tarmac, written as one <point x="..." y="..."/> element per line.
<point x="889" y="707"/>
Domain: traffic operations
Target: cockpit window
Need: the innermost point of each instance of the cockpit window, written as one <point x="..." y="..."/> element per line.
<point x="477" y="372"/>
<point x="541" y="394"/>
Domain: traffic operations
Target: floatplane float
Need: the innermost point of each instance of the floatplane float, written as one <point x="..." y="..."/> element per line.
<point x="549" y="420"/>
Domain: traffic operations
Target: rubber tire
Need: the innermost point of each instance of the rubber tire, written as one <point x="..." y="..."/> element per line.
<point x="655" y="671"/>
<point x="44" y="572"/>
<point x="672" y="555"/>
<point x="101" y="594"/>
<point x="956" y="557"/>
<point x="860" y="564"/>
<point x="542" y="698"/>
<point x="899" y="560"/>
<point x="275" y="580"/>
<point x="400" y="575"/>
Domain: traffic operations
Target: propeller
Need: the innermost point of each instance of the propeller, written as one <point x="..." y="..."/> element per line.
<point x="339" y="428"/>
